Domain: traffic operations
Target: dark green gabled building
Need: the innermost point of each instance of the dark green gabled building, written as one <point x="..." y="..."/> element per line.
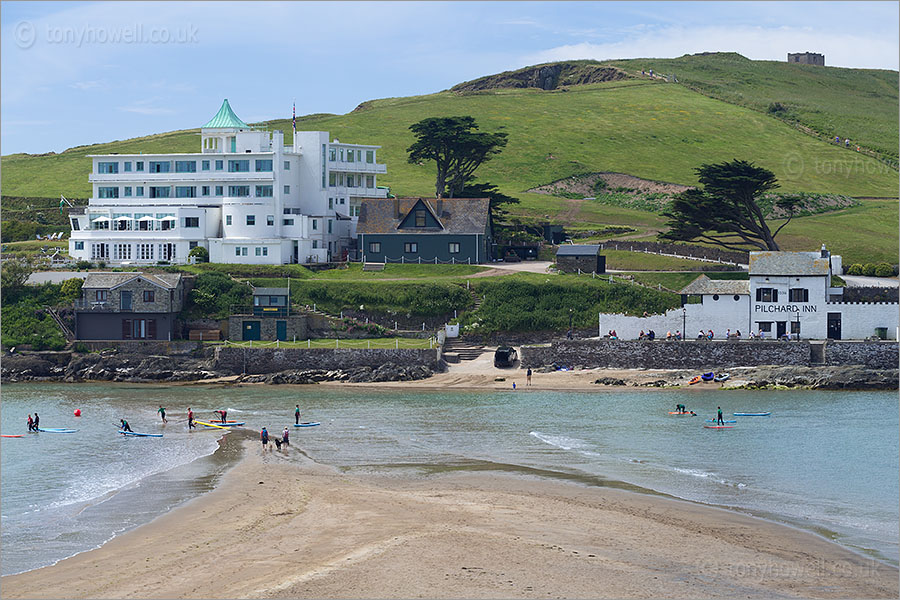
<point x="419" y="230"/>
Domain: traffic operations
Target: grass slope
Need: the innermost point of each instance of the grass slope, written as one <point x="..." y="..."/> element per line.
<point x="857" y="103"/>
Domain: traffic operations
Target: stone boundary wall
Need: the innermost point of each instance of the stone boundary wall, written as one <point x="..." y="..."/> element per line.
<point x="659" y="354"/>
<point x="256" y="361"/>
<point x="875" y="355"/>
<point x="157" y="347"/>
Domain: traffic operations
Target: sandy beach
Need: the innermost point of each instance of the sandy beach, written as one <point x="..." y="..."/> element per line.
<point x="282" y="526"/>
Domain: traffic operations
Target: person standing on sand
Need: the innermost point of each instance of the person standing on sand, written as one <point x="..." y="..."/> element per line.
<point x="190" y="418"/>
<point x="285" y="437"/>
<point x="264" y="438"/>
<point x="296" y="416"/>
<point x="528" y="376"/>
<point x="719" y="419"/>
<point x="162" y="413"/>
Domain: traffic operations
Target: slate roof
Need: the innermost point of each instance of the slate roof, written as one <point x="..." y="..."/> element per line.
<point x="578" y="250"/>
<point x="788" y="263"/>
<point x="457" y="215"/>
<point x="112" y="280"/>
<point x="261" y="291"/>
<point x="725" y="287"/>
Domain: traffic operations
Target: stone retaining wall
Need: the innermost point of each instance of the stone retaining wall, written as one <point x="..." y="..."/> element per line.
<point x="658" y="354"/>
<point x="875" y="355"/>
<point x="271" y="360"/>
<point x="157" y="347"/>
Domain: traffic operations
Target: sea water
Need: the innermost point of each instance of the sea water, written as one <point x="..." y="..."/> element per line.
<point x="824" y="461"/>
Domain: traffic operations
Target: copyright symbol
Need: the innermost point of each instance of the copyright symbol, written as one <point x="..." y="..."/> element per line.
<point x="24" y="34"/>
<point x="793" y="165"/>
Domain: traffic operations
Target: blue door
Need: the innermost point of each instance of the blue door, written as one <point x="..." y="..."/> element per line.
<point x="251" y="331"/>
<point x="281" y="330"/>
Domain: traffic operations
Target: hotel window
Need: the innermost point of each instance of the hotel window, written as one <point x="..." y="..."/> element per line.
<point x="798" y="295"/>
<point x="139" y="190"/>
<point x="204" y="190"/>
<point x="370" y="156"/>
<point x="139" y="165"/>
<point x="204" y="165"/>
<point x="270" y="220"/>
<point x="160" y="191"/>
<point x="370" y="181"/>
<point x="287" y="190"/>
<point x="263" y="165"/>
<point x="287" y="165"/>
<point x="359" y="156"/>
<point x="79" y="245"/>
<point x="251" y="219"/>
<point x="127" y="191"/>
<point x="101" y="224"/>
<point x="420" y="218"/>
<point x="765" y="326"/>
<point x="149" y="296"/>
<point x="350" y="181"/>
<point x="454" y="247"/>
<point x="266" y="252"/>
<point x="374" y="246"/>
<point x="332" y="154"/>
<point x="100" y="251"/>
<point x="127" y="166"/>
<point x="332" y="179"/>
<point x="350" y="155"/>
<point x="410" y="247"/>
<point x="160" y="166"/>
<point x="75" y="225"/>
<point x="109" y="192"/>
<point x="228" y="219"/>
<point x="106" y="168"/>
<point x="122" y="251"/>
<point x="219" y="190"/>
<point x="219" y="164"/>
<point x="244" y="251"/>
<point x="192" y="245"/>
<point x="315" y="244"/>
<point x="287" y="221"/>
<point x="315" y="224"/>
<point x="145" y="252"/>
<point x="330" y="203"/>
<point x="185" y="191"/>
<point x="102" y="295"/>
<point x="185" y="166"/>
<point x="329" y="225"/>
<point x="342" y="154"/>
<point x="766" y="295"/>
<point x="238" y="191"/>
<point x="238" y="166"/>
<point x="192" y="221"/>
<point x="166" y="224"/>
<point x="237" y="250"/>
<point x="258" y="251"/>
<point x="264" y="191"/>
<point x="166" y="251"/>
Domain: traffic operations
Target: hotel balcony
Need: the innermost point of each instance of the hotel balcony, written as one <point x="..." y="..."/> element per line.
<point x="356" y="167"/>
<point x="211" y="177"/>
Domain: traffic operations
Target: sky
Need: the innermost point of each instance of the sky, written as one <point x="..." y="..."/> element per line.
<point x="75" y="73"/>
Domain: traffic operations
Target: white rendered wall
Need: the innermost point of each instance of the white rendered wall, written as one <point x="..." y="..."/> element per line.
<point x="859" y="320"/>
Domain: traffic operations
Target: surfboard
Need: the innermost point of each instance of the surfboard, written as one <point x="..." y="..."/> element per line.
<point x="221" y="425"/>
<point x="306" y="424"/>
<point x="685" y="414"/>
<point x="213" y="425"/>
<point x="715" y="421"/>
<point x="719" y="426"/>
<point x="140" y="434"/>
<point x="57" y="430"/>
<point x="760" y="414"/>
<point x="5" y="435"/>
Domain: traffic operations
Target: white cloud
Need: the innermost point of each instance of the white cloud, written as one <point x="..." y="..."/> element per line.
<point x="844" y="49"/>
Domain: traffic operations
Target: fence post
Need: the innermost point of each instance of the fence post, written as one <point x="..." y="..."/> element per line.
<point x="314" y="307"/>
<point x="402" y="260"/>
<point x="368" y="344"/>
<point x="336" y="341"/>
<point x="251" y="343"/>
<point x="397" y="343"/>
<point x="276" y="343"/>
<point x="423" y="326"/>
<point x="435" y="260"/>
<point x="308" y="343"/>
<point x="395" y="325"/>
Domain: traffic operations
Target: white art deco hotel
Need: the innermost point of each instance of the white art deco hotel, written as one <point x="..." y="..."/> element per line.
<point x="245" y="197"/>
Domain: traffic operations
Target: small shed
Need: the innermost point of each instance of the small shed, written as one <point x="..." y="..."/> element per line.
<point x="586" y="257"/>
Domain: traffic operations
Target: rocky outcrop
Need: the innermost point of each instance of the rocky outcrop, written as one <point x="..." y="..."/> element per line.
<point x="853" y="377"/>
<point x="546" y="77"/>
<point x="386" y="372"/>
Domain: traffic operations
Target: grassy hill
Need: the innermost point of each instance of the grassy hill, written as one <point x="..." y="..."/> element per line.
<point x="647" y="128"/>
<point x="860" y="104"/>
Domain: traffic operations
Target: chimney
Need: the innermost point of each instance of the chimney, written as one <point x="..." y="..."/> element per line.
<point x="396" y="208"/>
<point x="825" y="253"/>
<point x="440" y="207"/>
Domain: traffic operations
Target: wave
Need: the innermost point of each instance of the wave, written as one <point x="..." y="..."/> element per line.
<point x="565" y="443"/>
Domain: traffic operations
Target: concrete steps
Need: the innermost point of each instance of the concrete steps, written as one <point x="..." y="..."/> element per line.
<point x="458" y="349"/>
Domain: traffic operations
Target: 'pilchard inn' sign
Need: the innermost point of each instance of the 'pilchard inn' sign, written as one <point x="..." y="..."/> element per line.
<point x="791" y="308"/>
